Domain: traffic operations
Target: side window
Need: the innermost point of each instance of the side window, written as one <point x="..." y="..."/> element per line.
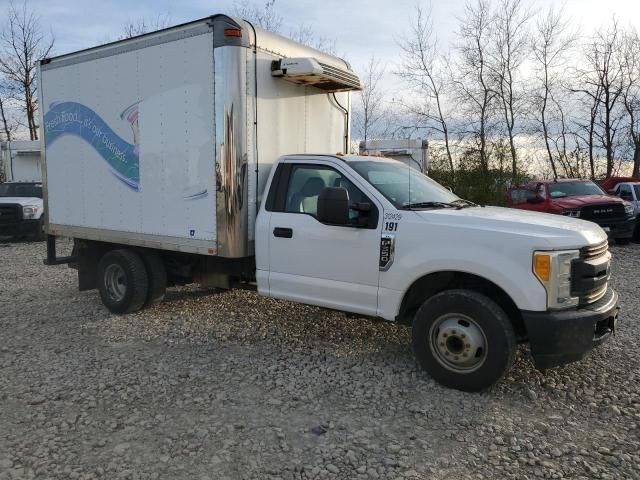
<point x="624" y="191"/>
<point x="521" y="195"/>
<point x="307" y="181"/>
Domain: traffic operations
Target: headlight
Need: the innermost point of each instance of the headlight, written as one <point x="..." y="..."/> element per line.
<point x="628" y="209"/>
<point x="553" y="269"/>
<point x="29" y="212"/>
<point x="571" y="213"/>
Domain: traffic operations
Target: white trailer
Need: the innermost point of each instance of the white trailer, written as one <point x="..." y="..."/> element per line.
<point x="413" y="152"/>
<point x="194" y="154"/>
<point x="20" y="161"/>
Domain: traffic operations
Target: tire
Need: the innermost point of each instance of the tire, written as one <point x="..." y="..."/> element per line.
<point x="157" y="275"/>
<point x="623" y="241"/>
<point x="39" y="235"/>
<point x="122" y="281"/>
<point x="476" y="333"/>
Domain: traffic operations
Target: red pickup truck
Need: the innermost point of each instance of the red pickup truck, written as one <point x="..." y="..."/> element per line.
<point x="577" y="198"/>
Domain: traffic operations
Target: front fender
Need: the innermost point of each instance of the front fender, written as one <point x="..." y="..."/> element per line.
<point x="513" y="274"/>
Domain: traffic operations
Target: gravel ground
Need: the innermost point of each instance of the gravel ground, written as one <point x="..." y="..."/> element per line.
<point x="231" y="385"/>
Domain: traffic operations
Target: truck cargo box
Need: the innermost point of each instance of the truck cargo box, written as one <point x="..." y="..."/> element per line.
<point x="165" y="140"/>
<point x="20" y="161"/>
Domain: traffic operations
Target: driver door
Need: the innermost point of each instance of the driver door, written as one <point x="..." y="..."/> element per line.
<point x="327" y="265"/>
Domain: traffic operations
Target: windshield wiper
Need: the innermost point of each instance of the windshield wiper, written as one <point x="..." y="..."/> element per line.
<point x="462" y="203"/>
<point x="457" y="204"/>
<point x="410" y="206"/>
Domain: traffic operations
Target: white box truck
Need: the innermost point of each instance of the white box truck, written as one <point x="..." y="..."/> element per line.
<point x="194" y="154"/>
<point x="413" y="152"/>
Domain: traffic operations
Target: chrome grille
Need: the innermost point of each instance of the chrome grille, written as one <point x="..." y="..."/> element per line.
<point x="597" y="251"/>
<point x="590" y="273"/>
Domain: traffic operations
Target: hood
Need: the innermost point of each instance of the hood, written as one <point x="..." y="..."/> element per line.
<point x="582" y="200"/>
<point x="546" y="230"/>
<point x="24" y="201"/>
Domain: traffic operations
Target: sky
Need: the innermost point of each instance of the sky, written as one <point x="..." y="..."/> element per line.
<point x="360" y="27"/>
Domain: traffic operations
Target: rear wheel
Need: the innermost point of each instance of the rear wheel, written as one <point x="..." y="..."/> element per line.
<point x="122" y="281"/>
<point x="464" y="340"/>
<point x="157" y="275"/>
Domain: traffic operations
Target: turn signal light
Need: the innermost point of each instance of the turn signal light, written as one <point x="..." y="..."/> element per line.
<point x="542" y="267"/>
<point x="232" y="32"/>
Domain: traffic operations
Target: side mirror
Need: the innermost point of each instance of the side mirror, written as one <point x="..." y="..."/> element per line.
<point x="612" y="192"/>
<point x="333" y="206"/>
<point x="535" y="199"/>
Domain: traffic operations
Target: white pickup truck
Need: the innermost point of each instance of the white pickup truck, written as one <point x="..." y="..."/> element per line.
<point x="630" y="191"/>
<point x="169" y="168"/>
<point x="22" y="210"/>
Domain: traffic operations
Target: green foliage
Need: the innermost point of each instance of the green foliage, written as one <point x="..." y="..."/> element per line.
<point x="483" y="187"/>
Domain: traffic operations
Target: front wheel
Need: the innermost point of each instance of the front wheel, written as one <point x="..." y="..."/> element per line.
<point x="464" y="340"/>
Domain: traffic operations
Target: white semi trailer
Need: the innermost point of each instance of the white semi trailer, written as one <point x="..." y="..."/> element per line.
<point x="195" y="154"/>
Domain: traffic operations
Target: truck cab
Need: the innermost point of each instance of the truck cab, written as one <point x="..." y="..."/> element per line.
<point x="579" y="199"/>
<point x="372" y="236"/>
<point x="21" y="210"/>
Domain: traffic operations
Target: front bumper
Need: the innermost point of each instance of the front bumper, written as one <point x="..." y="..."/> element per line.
<point x="23" y="227"/>
<point x="620" y="229"/>
<point x="558" y="338"/>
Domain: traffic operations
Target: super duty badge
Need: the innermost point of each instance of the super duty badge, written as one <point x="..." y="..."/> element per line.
<point x="387" y="250"/>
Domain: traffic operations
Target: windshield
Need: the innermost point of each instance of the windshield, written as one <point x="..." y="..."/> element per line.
<point x="20" y="190"/>
<point x="403" y="186"/>
<point x="573" y="189"/>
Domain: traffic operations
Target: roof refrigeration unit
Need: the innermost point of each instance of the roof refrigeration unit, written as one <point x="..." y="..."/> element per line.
<point x="413" y="152"/>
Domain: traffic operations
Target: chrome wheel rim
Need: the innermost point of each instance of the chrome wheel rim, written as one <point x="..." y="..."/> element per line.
<point x="458" y="343"/>
<point x="115" y="282"/>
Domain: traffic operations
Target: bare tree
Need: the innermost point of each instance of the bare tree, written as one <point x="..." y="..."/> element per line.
<point x="305" y="34"/>
<point x="23" y="45"/>
<point x="265" y="17"/>
<point x="510" y="50"/>
<point x="371" y="107"/>
<point x="475" y="95"/>
<point x="602" y="83"/>
<point x="422" y="68"/>
<point x="551" y="43"/>
<point x="142" y="25"/>
<point x="631" y="94"/>
<point x="7" y="109"/>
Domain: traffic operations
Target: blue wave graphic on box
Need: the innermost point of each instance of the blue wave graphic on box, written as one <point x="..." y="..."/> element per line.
<point x="72" y="118"/>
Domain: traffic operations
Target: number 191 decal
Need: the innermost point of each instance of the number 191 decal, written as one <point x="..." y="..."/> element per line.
<point x="391" y="226"/>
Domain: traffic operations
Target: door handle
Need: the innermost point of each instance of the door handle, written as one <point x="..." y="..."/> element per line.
<point x="283" y="232"/>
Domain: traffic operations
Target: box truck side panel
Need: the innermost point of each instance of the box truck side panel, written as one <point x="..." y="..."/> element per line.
<point x="295" y="118"/>
<point x="20" y="160"/>
<point x="130" y="145"/>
